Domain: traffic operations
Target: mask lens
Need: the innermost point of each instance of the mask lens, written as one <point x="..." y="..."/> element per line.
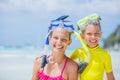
<point x="88" y="19"/>
<point x="82" y="22"/>
<point x="64" y="24"/>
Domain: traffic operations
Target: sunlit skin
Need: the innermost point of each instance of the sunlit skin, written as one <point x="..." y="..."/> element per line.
<point x="92" y="35"/>
<point x="59" y="42"/>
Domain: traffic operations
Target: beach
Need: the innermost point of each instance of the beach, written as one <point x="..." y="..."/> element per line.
<point x="17" y="64"/>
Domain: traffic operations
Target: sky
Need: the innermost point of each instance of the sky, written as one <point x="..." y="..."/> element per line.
<point x="26" y="22"/>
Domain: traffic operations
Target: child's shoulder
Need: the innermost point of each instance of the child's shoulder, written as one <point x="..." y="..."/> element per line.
<point x="38" y="60"/>
<point x="80" y="49"/>
<point x="72" y="63"/>
<point x="104" y="50"/>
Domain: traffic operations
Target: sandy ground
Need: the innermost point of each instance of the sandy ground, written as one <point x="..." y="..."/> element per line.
<point x="18" y="64"/>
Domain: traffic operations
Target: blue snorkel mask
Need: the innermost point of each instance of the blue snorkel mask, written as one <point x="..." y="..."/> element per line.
<point x="59" y="22"/>
<point x="65" y="24"/>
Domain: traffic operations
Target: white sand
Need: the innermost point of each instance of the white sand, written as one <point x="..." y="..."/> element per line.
<point x="18" y="64"/>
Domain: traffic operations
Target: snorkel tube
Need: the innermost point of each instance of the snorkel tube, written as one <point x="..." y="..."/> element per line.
<point x="83" y="65"/>
<point x="45" y="51"/>
<point x="44" y="56"/>
<point x="61" y="18"/>
<point x="92" y="18"/>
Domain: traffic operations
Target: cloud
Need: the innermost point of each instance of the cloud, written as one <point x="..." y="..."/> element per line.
<point x="105" y="7"/>
<point x="54" y="6"/>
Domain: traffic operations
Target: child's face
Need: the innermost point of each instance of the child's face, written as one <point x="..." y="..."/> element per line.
<point x="59" y="40"/>
<point x="92" y="35"/>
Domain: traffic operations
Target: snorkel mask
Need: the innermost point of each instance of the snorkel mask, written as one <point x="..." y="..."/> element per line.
<point x="92" y="18"/>
<point x="82" y="23"/>
<point x="59" y="22"/>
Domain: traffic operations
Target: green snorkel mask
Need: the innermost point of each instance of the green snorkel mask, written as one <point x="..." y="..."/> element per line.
<point x="82" y="23"/>
<point x="92" y="18"/>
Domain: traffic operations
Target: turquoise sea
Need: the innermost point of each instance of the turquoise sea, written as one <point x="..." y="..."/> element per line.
<point x="17" y="63"/>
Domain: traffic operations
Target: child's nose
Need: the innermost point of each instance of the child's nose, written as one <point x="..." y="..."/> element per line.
<point x="93" y="36"/>
<point x="59" y="41"/>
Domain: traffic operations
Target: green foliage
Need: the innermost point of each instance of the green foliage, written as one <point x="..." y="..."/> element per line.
<point x="113" y="39"/>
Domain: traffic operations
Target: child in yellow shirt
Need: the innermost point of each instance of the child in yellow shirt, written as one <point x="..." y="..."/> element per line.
<point x="100" y="59"/>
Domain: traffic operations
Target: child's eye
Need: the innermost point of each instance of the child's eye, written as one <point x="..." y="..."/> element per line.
<point x="55" y="38"/>
<point x="89" y="34"/>
<point x="96" y="34"/>
<point x="64" y="40"/>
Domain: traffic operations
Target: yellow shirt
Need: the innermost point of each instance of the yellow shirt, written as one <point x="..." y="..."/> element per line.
<point x="100" y="60"/>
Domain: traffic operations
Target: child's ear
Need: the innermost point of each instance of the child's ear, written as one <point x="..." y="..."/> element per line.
<point x="70" y="42"/>
<point x="101" y="34"/>
<point x="81" y="35"/>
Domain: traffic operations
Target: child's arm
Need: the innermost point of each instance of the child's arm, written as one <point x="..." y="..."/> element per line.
<point x="72" y="69"/>
<point x="36" y="68"/>
<point x="110" y="76"/>
<point x="108" y="67"/>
